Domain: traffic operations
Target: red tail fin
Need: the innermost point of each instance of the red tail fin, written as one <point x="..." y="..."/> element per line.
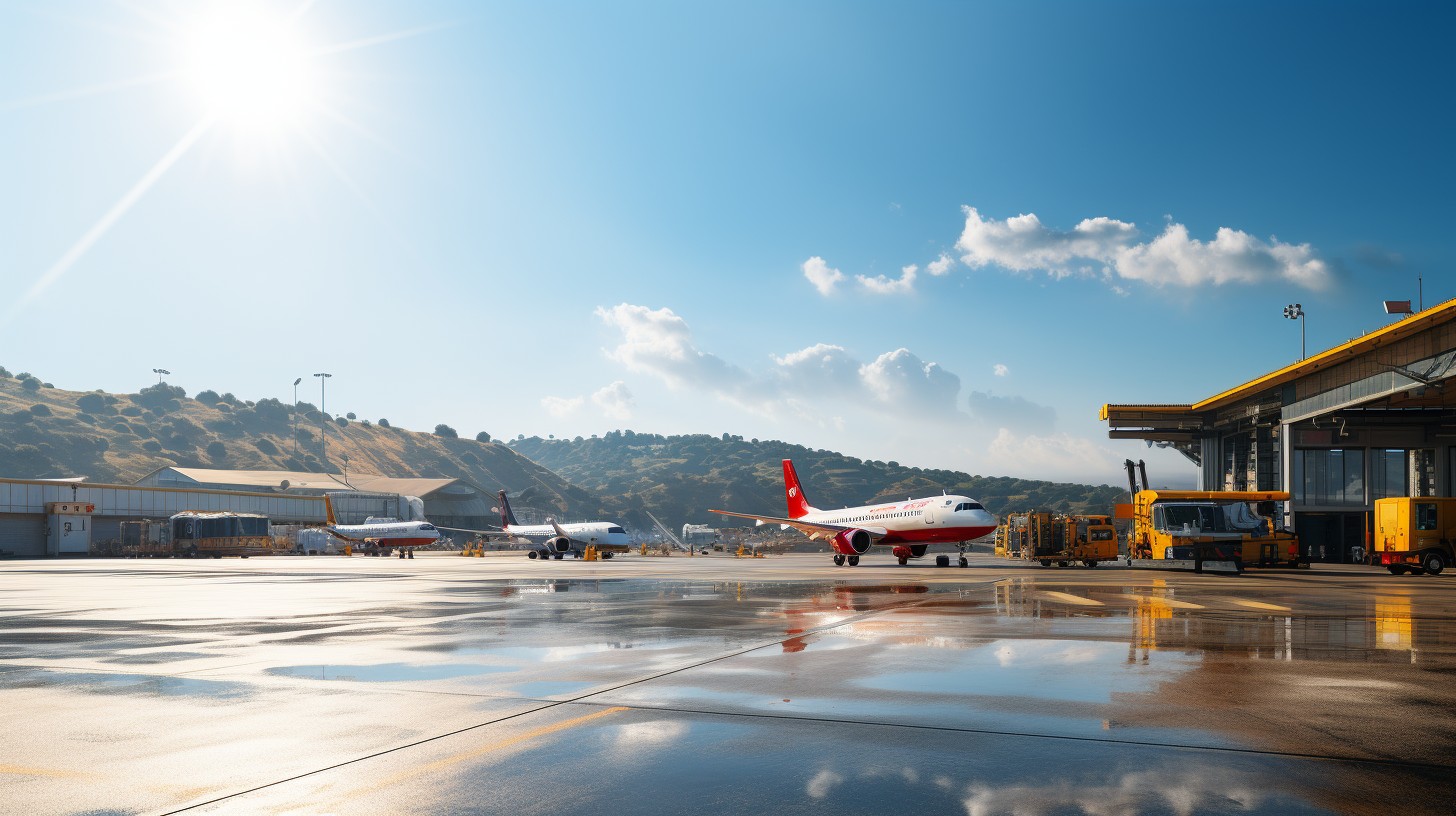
<point x="798" y="505"/>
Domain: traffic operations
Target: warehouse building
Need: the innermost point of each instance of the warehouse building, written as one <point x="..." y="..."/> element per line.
<point x="447" y="502"/>
<point x="1368" y="419"/>
<point x="68" y="517"/>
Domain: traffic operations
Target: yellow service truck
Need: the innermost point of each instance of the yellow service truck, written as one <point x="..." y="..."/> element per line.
<point x="1214" y="530"/>
<point x="1414" y="534"/>
<point x="1050" y="537"/>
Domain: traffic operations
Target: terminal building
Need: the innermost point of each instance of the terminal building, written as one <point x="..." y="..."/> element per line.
<point x="1372" y="418"/>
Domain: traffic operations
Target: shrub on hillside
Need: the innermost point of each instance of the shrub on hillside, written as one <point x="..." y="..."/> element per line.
<point x="350" y="415"/>
<point x="160" y="397"/>
<point x="482" y="437"/>
<point x="446" y="431"/>
<point x="131" y="411"/>
<point x="342" y="422"/>
<point x="152" y="445"/>
<point x="4" y="373"/>
<point x="266" y="446"/>
<point x="40" y="410"/>
<point x="92" y="403"/>
<point x="208" y="397"/>
<point x="217" y="451"/>
<point x="30" y="384"/>
<point x="384" y="423"/>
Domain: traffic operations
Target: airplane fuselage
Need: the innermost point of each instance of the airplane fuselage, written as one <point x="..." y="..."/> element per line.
<point x="600" y="533"/>
<point x="388" y="533"/>
<point x="916" y="521"/>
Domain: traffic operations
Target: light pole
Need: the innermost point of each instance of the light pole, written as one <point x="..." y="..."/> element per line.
<point x="1296" y="312"/>
<point x="295" y="415"/>
<point x="323" y="414"/>
<point x="159" y="372"/>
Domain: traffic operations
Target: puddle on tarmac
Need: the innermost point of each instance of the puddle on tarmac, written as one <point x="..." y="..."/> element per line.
<point x="388" y="672"/>
<point x="107" y="683"/>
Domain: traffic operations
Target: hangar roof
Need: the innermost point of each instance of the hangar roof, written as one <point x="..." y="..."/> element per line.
<point x="271" y="479"/>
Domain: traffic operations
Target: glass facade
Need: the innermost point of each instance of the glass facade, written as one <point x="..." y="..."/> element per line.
<point x="1329" y="478"/>
<point x="1389" y="473"/>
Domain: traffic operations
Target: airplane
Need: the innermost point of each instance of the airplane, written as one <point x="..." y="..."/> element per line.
<point x="909" y="526"/>
<point x="382" y="535"/>
<point x="554" y="540"/>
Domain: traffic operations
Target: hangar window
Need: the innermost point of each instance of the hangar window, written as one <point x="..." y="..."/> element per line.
<point x="1325" y="478"/>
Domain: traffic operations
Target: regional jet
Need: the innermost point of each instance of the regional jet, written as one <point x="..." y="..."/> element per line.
<point x="909" y="526"/>
<point x="552" y="540"/>
<point x="380" y="536"/>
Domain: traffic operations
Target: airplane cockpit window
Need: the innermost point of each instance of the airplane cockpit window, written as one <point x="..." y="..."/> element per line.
<point x="616" y="530"/>
<point x="968" y="506"/>
<point x="427" y="526"/>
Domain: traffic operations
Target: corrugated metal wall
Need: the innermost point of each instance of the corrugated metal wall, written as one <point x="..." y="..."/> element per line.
<point x="23" y="534"/>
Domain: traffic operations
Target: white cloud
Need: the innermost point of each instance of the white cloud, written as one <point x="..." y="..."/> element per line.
<point x="819" y="273"/>
<point x="1055" y="457"/>
<point x="940" y="266"/>
<point x="901" y="379"/>
<point x="1023" y="244"/>
<point x="882" y="285"/>
<point x="1000" y="370"/>
<point x="659" y="342"/>
<point x="561" y="406"/>
<point x="615" y="400"/>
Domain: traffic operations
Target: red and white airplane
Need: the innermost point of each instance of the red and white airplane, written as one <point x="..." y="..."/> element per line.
<point x="909" y="526"/>
<point x="378" y="535"/>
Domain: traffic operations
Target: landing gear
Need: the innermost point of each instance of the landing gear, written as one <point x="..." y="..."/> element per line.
<point x="1090" y="564"/>
<point x="961" y="545"/>
<point x="560" y="556"/>
<point x="401" y="553"/>
<point x="942" y="560"/>
<point x="853" y="560"/>
<point x="411" y="554"/>
<point x="964" y="562"/>
<point x="904" y="561"/>
<point x="838" y="560"/>
<point x="531" y="555"/>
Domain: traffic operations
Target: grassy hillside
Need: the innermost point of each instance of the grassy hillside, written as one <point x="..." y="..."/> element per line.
<point x="678" y="478"/>
<point x="47" y="432"/>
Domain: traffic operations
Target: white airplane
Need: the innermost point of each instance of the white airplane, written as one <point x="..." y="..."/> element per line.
<point x="382" y="535"/>
<point x="909" y="526"/>
<point x="554" y="540"/>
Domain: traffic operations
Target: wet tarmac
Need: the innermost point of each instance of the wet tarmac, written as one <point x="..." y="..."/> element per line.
<point x="684" y="686"/>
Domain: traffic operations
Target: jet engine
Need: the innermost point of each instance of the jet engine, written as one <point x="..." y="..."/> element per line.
<point x="851" y="542"/>
<point x="559" y="544"/>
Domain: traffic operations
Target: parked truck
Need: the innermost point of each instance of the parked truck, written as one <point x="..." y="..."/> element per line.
<point x="1414" y="534"/>
<point x="1219" y="531"/>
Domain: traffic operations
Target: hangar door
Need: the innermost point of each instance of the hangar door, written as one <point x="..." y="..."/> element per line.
<point x="23" y="534"/>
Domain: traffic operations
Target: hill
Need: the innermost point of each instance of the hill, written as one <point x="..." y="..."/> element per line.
<point x="678" y="478"/>
<point x="46" y="432"/>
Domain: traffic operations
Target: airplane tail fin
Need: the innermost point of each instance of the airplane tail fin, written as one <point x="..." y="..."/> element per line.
<point x="329" y="512"/>
<point x="794" y="492"/>
<point x="507" y="517"/>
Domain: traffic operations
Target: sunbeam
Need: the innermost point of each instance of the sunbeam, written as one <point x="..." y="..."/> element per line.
<point x="74" y="254"/>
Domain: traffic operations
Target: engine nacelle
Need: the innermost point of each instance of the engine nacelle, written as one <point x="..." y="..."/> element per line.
<point x="851" y="542"/>
<point x="559" y="544"/>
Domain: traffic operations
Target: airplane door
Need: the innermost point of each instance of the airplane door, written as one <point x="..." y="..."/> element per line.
<point x="929" y="515"/>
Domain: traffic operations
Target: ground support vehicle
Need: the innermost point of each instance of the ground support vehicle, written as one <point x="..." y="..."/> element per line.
<point x="1414" y="534"/>
<point x="1048" y="538"/>
<point x="216" y="534"/>
<point x="1206" y="530"/>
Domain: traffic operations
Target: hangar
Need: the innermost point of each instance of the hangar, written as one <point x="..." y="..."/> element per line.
<point x="448" y="502"/>
<point x="1371" y="418"/>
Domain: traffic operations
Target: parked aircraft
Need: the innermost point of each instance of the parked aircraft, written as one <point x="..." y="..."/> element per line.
<point x="380" y="536"/>
<point x="552" y="540"/>
<point x="909" y="526"/>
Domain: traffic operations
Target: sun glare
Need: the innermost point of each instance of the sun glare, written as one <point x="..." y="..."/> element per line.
<point x="250" y="67"/>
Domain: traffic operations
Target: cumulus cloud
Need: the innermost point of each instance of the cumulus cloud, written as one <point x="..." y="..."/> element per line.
<point x="823" y="276"/>
<point x="656" y="341"/>
<point x="561" y="406"/>
<point x="1015" y="413"/>
<point x="882" y="285"/>
<point x="1174" y="258"/>
<point x="940" y="266"/>
<point x="660" y="343"/>
<point x="902" y="379"/>
<point x="614" y="400"/>
<point x="1000" y="370"/>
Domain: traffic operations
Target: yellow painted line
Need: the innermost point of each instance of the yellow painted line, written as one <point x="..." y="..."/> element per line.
<point x="1174" y="604"/>
<point x="1068" y="598"/>
<point x="56" y="773"/>
<point x="498" y="745"/>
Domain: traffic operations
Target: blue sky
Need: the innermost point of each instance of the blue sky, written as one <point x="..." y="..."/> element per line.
<point x="568" y="218"/>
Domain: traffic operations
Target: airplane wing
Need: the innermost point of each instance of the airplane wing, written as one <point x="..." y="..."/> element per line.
<point x="482" y="533"/>
<point x="812" y="529"/>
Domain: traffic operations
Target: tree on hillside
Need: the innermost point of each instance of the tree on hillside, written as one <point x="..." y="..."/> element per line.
<point x="30" y="383"/>
<point x="384" y="423"/>
<point x="482" y="437"/>
<point x="446" y="431"/>
<point x="208" y="397"/>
